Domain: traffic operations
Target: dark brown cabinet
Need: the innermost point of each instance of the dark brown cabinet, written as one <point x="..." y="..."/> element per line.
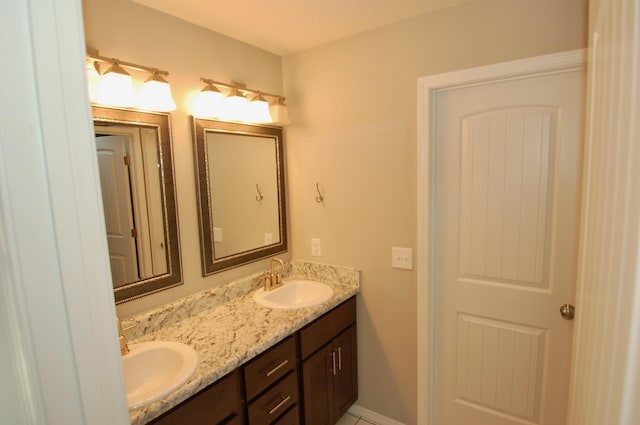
<point x="220" y="403"/>
<point x="329" y="374"/>
<point x="271" y="386"/>
<point x="308" y="378"/>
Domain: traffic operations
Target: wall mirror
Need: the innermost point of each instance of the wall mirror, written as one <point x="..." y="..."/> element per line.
<point x="135" y="160"/>
<point x="241" y="196"/>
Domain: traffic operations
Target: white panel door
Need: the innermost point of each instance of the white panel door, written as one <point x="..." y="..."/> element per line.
<point x="507" y="198"/>
<point x="118" y="212"/>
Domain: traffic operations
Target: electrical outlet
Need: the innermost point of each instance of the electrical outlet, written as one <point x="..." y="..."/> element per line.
<point x="268" y="238"/>
<point x="316" y="247"/>
<point x="402" y="258"/>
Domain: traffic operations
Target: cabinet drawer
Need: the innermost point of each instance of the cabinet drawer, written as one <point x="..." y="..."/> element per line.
<point x="272" y="404"/>
<point x="270" y="366"/>
<point x="292" y="417"/>
<point x="320" y="332"/>
<point x="218" y="403"/>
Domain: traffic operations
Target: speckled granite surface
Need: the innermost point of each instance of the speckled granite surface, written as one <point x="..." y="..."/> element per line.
<point x="227" y="327"/>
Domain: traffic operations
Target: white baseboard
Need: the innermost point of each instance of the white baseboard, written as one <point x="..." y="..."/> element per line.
<point x="371" y="416"/>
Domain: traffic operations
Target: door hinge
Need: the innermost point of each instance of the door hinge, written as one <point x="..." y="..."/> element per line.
<point x="134" y="233"/>
<point x="126" y="160"/>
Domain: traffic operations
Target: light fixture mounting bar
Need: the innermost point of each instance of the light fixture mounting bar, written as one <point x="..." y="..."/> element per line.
<point x="93" y="54"/>
<point x="239" y="86"/>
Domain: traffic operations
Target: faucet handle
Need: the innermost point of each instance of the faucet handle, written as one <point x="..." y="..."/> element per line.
<point x="121" y="329"/>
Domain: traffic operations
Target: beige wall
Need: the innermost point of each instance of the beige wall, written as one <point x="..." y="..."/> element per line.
<point x="353" y="112"/>
<point x="353" y="106"/>
<point x="130" y="32"/>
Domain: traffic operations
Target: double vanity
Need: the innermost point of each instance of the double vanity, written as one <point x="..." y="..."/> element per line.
<point x="253" y="351"/>
<point x="259" y="364"/>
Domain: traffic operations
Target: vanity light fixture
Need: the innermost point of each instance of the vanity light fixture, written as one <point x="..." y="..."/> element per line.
<point x="279" y="111"/>
<point x="116" y="86"/>
<point x="259" y="110"/>
<point x="209" y="103"/>
<point x="93" y="79"/>
<point x="236" y="107"/>
<point x="156" y="94"/>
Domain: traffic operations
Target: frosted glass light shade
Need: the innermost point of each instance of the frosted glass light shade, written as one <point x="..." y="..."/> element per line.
<point x="93" y="80"/>
<point x="279" y="112"/>
<point x="258" y="110"/>
<point x="156" y="95"/>
<point x="209" y="103"/>
<point x="116" y="88"/>
<point x="236" y="107"/>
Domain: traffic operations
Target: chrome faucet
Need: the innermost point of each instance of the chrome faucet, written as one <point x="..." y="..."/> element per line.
<point x="273" y="279"/>
<point x="124" y="348"/>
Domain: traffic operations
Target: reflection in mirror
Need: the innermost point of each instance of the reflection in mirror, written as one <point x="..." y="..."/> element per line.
<point x="240" y="183"/>
<point x="138" y="191"/>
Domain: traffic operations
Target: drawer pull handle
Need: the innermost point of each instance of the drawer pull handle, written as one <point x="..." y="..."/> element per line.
<point x="339" y="358"/>
<point x="275" y="369"/>
<point x="279" y="405"/>
<point x="333" y="362"/>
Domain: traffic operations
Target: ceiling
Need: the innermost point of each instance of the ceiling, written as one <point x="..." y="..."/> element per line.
<point x="284" y="27"/>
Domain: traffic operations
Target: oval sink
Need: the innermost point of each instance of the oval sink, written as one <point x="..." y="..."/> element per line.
<point x="156" y="368"/>
<point x="294" y="294"/>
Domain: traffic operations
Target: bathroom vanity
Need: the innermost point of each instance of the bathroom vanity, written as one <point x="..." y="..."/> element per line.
<point x="259" y="365"/>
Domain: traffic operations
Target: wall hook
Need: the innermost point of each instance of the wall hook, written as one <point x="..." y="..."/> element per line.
<point x="319" y="198"/>
<point x="260" y="196"/>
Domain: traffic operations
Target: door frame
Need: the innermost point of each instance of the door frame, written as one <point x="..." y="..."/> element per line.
<point x="428" y="87"/>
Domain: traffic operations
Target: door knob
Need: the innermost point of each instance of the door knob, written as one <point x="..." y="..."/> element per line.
<point x="567" y="311"/>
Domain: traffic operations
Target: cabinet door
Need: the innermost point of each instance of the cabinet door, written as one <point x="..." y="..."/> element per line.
<point x="220" y="403"/>
<point x="318" y="402"/>
<point x="345" y="378"/>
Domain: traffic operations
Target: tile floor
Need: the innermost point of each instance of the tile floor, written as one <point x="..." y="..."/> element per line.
<point x="349" y="419"/>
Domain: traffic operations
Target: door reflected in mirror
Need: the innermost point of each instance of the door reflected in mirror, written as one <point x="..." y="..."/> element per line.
<point x="136" y="177"/>
<point x="240" y="179"/>
<point x="132" y="198"/>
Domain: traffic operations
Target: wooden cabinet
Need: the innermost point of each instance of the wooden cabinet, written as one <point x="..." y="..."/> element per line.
<point x="329" y="366"/>
<point x="320" y="360"/>
<point x="220" y="403"/>
<point x="271" y="385"/>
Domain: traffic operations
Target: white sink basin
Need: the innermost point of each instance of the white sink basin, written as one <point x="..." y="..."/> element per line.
<point x="156" y="368"/>
<point x="294" y="294"/>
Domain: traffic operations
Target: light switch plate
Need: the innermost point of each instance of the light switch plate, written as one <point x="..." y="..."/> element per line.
<point x="402" y="258"/>
<point x="268" y="238"/>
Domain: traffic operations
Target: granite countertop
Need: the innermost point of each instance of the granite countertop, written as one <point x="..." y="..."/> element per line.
<point x="227" y="327"/>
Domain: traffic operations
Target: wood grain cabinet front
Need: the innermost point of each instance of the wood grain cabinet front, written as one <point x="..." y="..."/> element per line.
<point x="269" y="367"/>
<point x="271" y="385"/>
<point x="329" y="374"/>
<point x="320" y="360"/>
<point x="218" y="404"/>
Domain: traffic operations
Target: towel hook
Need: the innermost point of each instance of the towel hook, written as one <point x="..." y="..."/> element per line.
<point x="319" y="198"/>
<point x="260" y="196"/>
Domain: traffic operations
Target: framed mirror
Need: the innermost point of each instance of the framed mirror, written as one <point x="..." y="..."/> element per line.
<point x="135" y="160"/>
<point x="240" y="190"/>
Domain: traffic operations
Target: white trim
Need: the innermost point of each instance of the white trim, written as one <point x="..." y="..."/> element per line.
<point x="427" y="88"/>
<point x="57" y="276"/>
<point x="371" y="416"/>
